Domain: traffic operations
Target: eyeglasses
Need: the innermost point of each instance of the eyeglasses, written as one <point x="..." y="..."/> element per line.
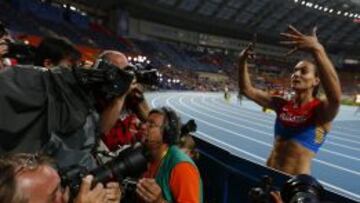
<point x="152" y="124"/>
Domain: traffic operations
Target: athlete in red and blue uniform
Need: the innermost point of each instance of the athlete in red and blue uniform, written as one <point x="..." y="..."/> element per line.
<point x="302" y="122"/>
<point x="299" y="124"/>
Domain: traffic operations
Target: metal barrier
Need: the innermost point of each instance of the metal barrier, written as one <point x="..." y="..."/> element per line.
<point x="228" y="179"/>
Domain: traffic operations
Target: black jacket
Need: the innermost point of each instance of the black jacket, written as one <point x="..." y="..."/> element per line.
<point x="46" y="110"/>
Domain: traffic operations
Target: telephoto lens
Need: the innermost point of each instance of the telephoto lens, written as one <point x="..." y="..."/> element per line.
<point x="130" y="162"/>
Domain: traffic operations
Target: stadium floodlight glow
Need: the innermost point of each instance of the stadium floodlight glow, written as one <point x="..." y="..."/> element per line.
<point x="148" y="61"/>
<point x="303" y="2"/>
<point x="326" y="9"/>
<point x="320" y="8"/>
<point x="346" y="14"/>
<point x="309" y="4"/>
<point x="296" y="1"/>
<point x="331" y="10"/>
<point x="351" y="15"/>
<point x="316" y="6"/>
<point x="356" y="15"/>
<point x="339" y="12"/>
<point x="73" y="8"/>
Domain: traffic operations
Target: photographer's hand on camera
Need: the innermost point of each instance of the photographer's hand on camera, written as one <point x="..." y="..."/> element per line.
<point x="149" y="191"/>
<point x="98" y="194"/>
<point x="113" y="192"/>
<point x="276" y="197"/>
<point x="138" y="102"/>
<point x="112" y="111"/>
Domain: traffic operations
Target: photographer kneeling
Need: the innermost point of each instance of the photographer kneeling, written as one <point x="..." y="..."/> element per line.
<point x="171" y="176"/>
<point x="32" y="178"/>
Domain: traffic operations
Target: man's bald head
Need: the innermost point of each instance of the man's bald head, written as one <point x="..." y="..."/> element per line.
<point x="115" y="57"/>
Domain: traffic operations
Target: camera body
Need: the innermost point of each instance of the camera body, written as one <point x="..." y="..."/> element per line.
<point x="108" y="81"/>
<point x="188" y="127"/>
<point x="130" y="162"/>
<point x="261" y="194"/>
<point x="146" y="75"/>
<point x="302" y="189"/>
<point x="299" y="189"/>
<point x="23" y="53"/>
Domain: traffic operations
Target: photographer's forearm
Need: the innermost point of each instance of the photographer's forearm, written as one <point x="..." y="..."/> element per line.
<point x="111" y="113"/>
<point x="143" y="110"/>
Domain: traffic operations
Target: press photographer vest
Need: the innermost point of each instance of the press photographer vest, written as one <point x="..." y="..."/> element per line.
<point x="173" y="157"/>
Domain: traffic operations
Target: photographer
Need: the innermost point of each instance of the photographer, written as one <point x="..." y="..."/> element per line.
<point x="120" y="117"/>
<point x="32" y="178"/>
<point x="171" y="176"/>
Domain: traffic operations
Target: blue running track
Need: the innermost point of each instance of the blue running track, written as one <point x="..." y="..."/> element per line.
<point x="247" y="132"/>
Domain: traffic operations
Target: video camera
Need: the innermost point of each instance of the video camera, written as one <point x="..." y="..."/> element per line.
<point x="130" y="162"/>
<point x="23" y="53"/>
<point x="299" y="189"/>
<point x="110" y="81"/>
<point x="188" y="127"/>
<point x="302" y="189"/>
<point x="146" y="75"/>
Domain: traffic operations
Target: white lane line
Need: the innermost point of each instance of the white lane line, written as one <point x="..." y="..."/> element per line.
<point x="227" y="147"/>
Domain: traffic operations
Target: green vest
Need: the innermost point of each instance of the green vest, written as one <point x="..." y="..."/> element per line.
<point x="172" y="157"/>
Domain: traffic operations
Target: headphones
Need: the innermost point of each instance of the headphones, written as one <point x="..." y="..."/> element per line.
<point x="171" y="129"/>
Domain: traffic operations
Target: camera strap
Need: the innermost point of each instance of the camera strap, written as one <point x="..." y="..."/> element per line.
<point x="163" y="155"/>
